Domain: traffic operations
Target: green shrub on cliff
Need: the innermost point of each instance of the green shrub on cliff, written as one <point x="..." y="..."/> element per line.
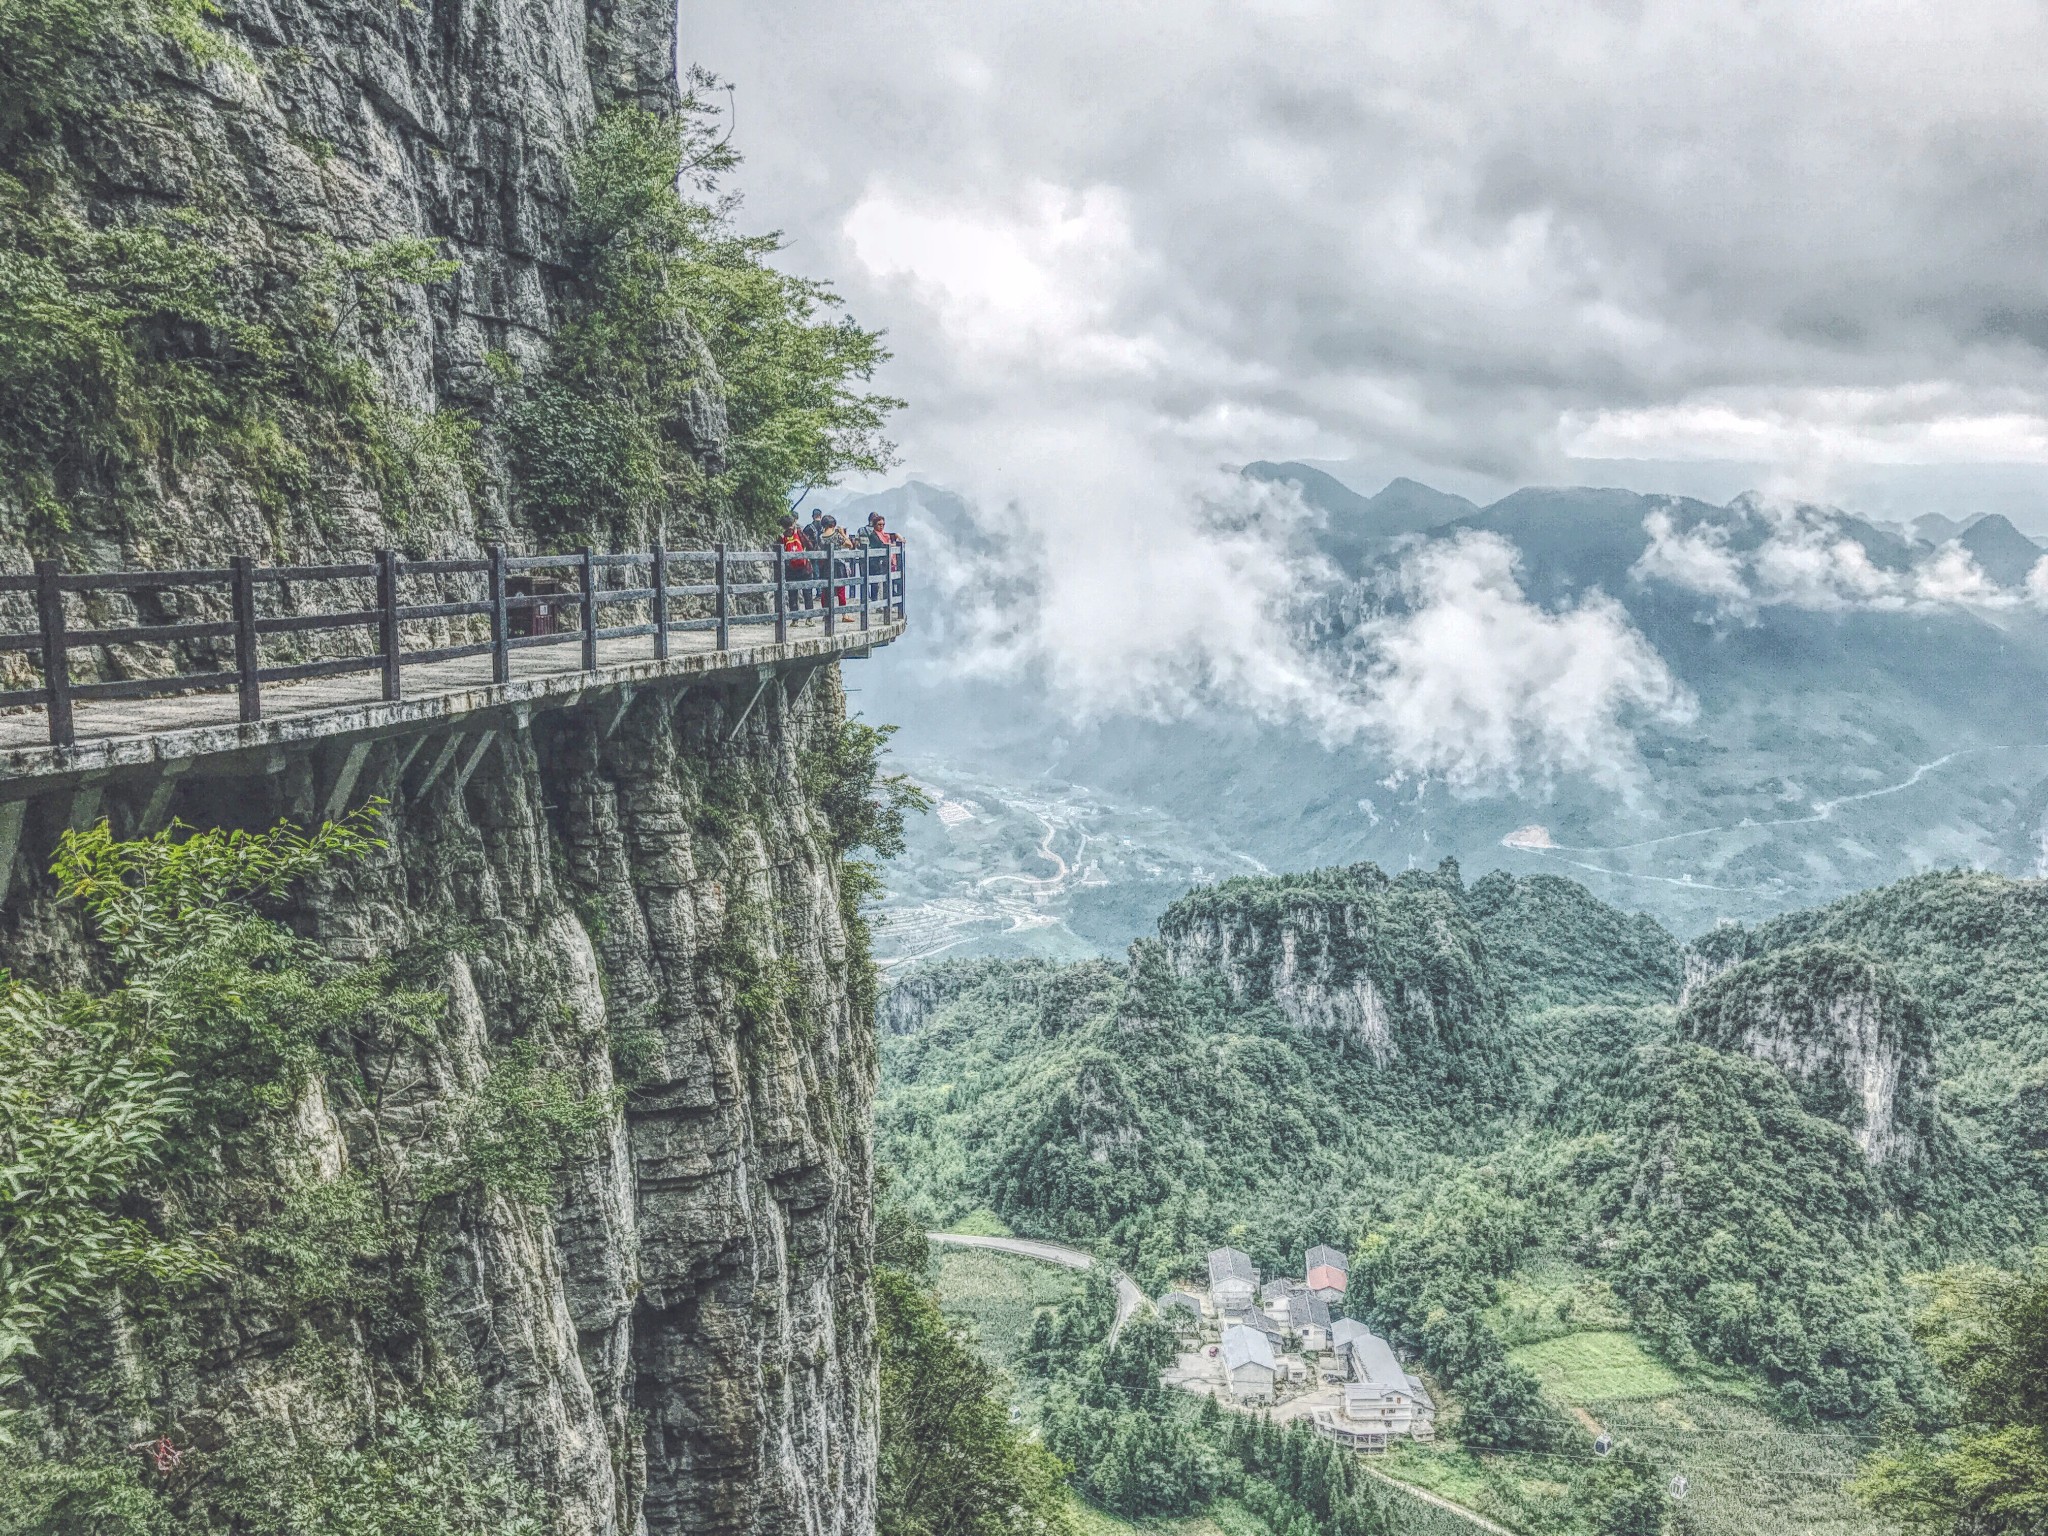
<point x="95" y="1086"/>
<point x="165" y="1167"/>
<point x="684" y="316"/>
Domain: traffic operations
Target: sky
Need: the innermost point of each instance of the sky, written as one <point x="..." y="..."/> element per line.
<point x="1118" y="247"/>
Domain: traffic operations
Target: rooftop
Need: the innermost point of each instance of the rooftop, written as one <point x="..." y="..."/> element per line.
<point x="1244" y="1346"/>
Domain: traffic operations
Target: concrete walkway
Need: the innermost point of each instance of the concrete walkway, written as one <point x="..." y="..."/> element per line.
<point x="1128" y="1297"/>
<point x="149" y="732"/>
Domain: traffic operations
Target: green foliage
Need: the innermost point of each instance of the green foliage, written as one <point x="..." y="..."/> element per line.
<point x="517" y="1130"/>
<point x="1734" y="1224"/>
<point x="611" y="437"/>
<point x="1987" y="1332"/>
<point x="1555" y="945"/>
<point x="93" y="1087"/>
<point x="410" y="1471"/>
<point x="952" y="1464"/>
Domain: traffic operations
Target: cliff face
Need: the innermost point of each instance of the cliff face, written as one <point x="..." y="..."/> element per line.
<point x="1853" y="1038"/>
<point x="683" y="1341"/>
<point x="624" y="891"/>
<point x="1393" y="966"/>
<point x="299" y="138"/>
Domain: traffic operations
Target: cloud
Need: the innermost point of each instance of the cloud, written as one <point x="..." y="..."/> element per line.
<point x="1116" y="246"/>
<point x="1472" y="683"/>
<point x="1775" y="554"/>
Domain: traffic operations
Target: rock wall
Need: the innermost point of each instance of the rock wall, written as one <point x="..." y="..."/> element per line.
<point x="684" y="1342"/>
<point x="333" y="125"/>
<point x="1394" y="967"/>
<point x="1855" y="1040"/>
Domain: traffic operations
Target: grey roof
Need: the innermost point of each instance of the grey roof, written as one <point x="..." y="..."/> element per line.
<point x="1374" y="1359"/>
<point x="1278" y="1287"/>
<point x="1345" y="1329"/>
<point x="1305" y="1311"/>
<point x="1265" y="1325"/>
<point x="1229" y="1264"/>
<point x="1180" y="1299"/>
<point x="1245" y="1346"/>
<point x="1323" y="1254"/>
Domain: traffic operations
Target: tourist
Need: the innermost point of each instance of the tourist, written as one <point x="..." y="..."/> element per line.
<point x="796" y="570"/>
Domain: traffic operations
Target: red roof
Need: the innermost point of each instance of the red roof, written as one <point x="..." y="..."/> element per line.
<point x="1326" y="1277"/>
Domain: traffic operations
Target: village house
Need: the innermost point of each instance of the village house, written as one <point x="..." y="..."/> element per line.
<point x="1308" y="1318"/>
<point x="1232" y="1282"/>
<point x="1276" y="1335"/>
<point x="1249" y="1365"/>
<point x="1181" y="1310"/>
<point x="1329" y="1273"/>
<point x="1380" y="1394"/>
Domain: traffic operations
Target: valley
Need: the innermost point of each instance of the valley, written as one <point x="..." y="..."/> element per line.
<point x="1604" y="1191"/>
<point x="1829" y="743"/>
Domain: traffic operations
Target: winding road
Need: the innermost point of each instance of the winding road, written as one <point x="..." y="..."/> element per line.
<point x="1128" y="1297"/>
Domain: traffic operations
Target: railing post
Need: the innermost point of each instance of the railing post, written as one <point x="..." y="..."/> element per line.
<point x="243" y="592"/>
<point x="501" y="627"/>
<point x="387" y="618"/>
<point x="56" y="658"/>
<point x="724" y="602"/>
<point x="589" y="572"/>
<point x="867" y="577"/>
<point x="781" y="595"/>
<point x="902" y="583"/>
<point x="660" y="603"/>
<point x="831" y="592"/>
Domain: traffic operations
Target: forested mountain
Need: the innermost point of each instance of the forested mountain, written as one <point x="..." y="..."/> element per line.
<point x="1748" y="1148"/>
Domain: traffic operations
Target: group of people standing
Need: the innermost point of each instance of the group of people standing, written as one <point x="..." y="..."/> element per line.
<point x="823" y="532"/>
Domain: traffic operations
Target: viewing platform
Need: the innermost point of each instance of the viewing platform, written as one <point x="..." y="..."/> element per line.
<point x="421" y="643"/>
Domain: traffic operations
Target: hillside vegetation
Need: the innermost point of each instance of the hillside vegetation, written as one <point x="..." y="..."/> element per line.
<point x="1575" y="1191"/>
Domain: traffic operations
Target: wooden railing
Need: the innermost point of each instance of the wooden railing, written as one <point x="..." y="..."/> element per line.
<point x="840" y="588"/>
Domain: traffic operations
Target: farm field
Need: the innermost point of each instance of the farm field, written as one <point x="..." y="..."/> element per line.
<point x="1226" y="1520"/>
<point x="996" y="1295"/>
<point x="1597" y="1367"/>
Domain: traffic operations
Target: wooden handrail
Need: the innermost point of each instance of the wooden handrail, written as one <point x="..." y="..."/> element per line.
<point x="880" y="572"/>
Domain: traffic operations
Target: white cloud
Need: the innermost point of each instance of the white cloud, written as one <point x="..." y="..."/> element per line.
<point x="1476" y="685"/>
<point x="1801" y="556"/>
<point x="2037" y="583"/>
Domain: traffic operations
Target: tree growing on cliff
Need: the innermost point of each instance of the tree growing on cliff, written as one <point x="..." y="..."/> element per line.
<point x="684" y="316"/>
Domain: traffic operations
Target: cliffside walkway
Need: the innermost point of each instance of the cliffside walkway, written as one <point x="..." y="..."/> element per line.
<point x="191" y="663"/>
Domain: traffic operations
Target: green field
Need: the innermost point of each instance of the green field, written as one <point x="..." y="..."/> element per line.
<point x="1745" y="1470"/>
<point x="996" y="1294"/>
<point x="981" y="1223"/>
<point x="1090" y="1521"/>
<point x="1585" y="1368"/>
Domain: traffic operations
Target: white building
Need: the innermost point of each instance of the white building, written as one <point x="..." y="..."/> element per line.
<point x="1308" y="1319"/>
<point x="1248" y="1364"/>
<point x="1232" y="1281"/>
<point x="1381" y="1395"/>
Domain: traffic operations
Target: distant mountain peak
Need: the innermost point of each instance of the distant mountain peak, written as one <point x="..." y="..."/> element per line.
<point x="2001" y="551"/>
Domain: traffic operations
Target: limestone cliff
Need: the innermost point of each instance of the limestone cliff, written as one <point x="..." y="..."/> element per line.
<point x="1394" y="967"/>
<point x="278" y="147"/>
<point x="1853" y="1037"/>
<point x="683" y="1342"/>
<point x="643" y="891"/>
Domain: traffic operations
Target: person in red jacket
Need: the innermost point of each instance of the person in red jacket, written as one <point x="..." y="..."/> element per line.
<point x="797" y="570"/>
<point x="881" y="559"/>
